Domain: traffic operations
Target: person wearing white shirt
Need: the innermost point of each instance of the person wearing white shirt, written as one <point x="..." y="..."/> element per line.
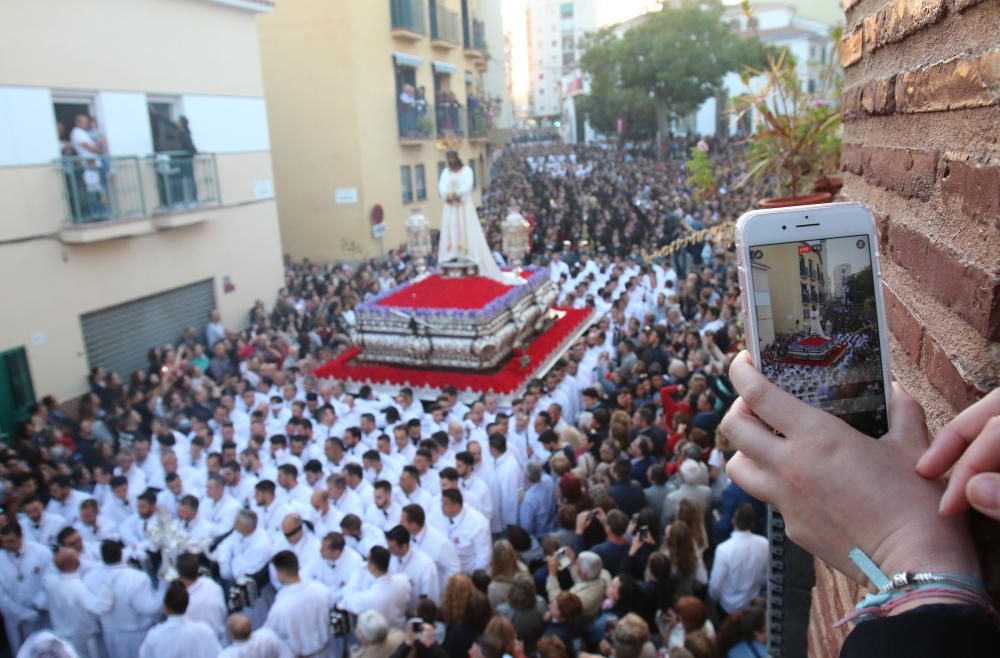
<point x="277" y="416"/>
<point x="38" y="525"/>
<point x="206" y="600"/>
<point x="117" y="506"/>
<point x="178" y="636"/>
<point x="457" y="408"/>
<point x="507" y="482"/>
<point x="23" y="564"/>
<point x="402" y="445"/>
<point x="388" y="593"/>
<point x="65" y="500"/>
<point x="410" y="492"/>
<point x="238" y="486"/>
<point x="289" y="488"/>
<point x="376" y="468"/>
<point x="468" y="530"/>
<point x="475" y="492"/>
<point x="409" y="408"/>
<point x="218" y="508"/>
<point x="325" y="517"/>
<point x="338" y="566"/>
<point x="298" y="539"/>
<point x="170" y="497"/>
<point x="301" y="612"/>
<point x="384" y="514"/>
<point x="356" y="483"/>
<point x="369" y="430"/>
<point x="740" y="567"/>
<point x="343" y="497"/>
<point x="73" y="609"/>
<point x="361" y="536"/>
<point x="248" y="643"/>
<point x="92" y="526"/>
<point x="432" y="542"/>
<point x="246" y="552"/>
<point x="192" y="523"/>
<point x="254" y="469"/>
<point x="416" y="565"/>
<point x="132" y="531"/>
<point x="135" y="604"/>
<point x="270" y="509"/>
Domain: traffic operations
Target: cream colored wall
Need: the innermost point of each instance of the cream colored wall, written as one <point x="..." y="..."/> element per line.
<point x="57" y="283"/>
<point x="162" y="46"/>
<point x="330" y="88"/>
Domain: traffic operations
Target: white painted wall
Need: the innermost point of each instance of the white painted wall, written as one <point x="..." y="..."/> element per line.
<point x="227" y="124"/>
<point x="124" y="118"/>
<point x="27" y="127"/>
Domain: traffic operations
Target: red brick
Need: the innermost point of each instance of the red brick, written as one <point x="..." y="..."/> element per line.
<point x="850" y="158"/>
<point x="942" y="373"/>
<point x="850" y="102"/>
<point x="869" y="27"/>
<point x="908" y="172"/>
<point x="879" y="96"/>
<point x="903" y="324"/>
<point x="850" y="48"/>
<point x="900" y="19"/>
<point x="973" y="183"/>
<point x="958" y="83"/>
<point x="968" y="289"/>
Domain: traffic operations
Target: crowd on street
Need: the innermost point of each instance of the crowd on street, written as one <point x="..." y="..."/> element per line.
<point x="227" y="501"/>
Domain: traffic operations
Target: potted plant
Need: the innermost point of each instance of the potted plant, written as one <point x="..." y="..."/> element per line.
<point x="797" y="140"/>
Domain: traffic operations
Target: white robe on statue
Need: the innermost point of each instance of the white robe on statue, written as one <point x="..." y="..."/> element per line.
<point x="461" y="234"/>
<point x="815" y="326"/>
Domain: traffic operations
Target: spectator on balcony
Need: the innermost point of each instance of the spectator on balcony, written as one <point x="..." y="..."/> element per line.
<point x="407" y="111"/>
<point x="420" y="103"/>
<point x="189" y="188"/>
<point x="87" y="176"/>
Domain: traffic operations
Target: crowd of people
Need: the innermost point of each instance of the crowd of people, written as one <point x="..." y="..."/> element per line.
<point x="227" y="501"/>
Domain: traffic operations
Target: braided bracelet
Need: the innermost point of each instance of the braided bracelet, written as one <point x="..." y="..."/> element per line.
<point x="907" y="587"/>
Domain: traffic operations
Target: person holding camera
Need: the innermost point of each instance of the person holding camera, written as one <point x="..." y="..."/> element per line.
<point x="590" y="580"/>
<point x="376" y="639"/>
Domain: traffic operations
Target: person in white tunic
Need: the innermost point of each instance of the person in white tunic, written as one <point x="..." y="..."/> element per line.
<point x="815" y="326"/>
<point x="338" y="567"/>
<point x="135" y="604"/>
<point x="218" y="507"/>
<point x="432" y="542"/>
<point x="506" y="485"/>
<point x="416" y="565"/>
<point x="44" y="643"/>
<point x="246" y="552"/>
<point x="298" y="539"/>
<point x="387" y="593"/>
<point x="178" y="636"/>
<point x="73" y="609"/>
<point x="37" y="524"/>
<point x="247" y="643"/>
<point x="462" y="236"/>
<point x="300" y="615"/>
<point x="206" y="600"/>
<point x="23" y="564"/>
<point x="468" y="530"/>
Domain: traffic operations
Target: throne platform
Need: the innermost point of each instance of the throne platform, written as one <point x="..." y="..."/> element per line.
<point x="814" y="351"/>
<point x="450" y="328"/>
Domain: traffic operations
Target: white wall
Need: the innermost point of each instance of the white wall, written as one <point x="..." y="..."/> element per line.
<point x="27" y="127"/>
<point x="124" y="118"/>
<point x="227" y="124"/>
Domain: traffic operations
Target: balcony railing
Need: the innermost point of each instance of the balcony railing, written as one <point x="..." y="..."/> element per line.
<point x="444" y="26"/>
<point x="450" y="119"/>
<point x="185" y="181"/>
<point x="416" y="119"/>
<point x="408" y="15"/>
<point x="100" y="189"/>
<point x="478" y="126"/>
<point x="103" y="188"/>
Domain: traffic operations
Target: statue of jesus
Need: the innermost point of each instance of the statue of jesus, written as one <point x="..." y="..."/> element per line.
<point x="462" y="237"/>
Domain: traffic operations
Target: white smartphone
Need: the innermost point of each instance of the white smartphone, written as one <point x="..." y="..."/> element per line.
<point x="812" y="301"/>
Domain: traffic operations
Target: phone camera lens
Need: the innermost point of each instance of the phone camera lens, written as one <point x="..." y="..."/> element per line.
<point x="783" y="227"/>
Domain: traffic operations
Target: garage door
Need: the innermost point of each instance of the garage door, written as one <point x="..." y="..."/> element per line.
<point x="119" y="337"/>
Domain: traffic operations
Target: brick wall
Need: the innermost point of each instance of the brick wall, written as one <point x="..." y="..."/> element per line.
<point x="921" y="109"/>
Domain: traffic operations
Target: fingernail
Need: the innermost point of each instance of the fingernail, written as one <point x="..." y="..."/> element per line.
<point x="983" y="491"/>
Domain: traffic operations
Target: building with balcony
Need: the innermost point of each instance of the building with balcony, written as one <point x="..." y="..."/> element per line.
<point x="136" y="184"/>
<point x="363" y="99"/>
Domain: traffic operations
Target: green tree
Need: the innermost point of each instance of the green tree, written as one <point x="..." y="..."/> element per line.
<point x="608" y="101"/>
<point x="674" y="60"/>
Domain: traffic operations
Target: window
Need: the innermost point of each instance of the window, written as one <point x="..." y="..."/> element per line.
<point x="566" y="10"/>
<point x="421" y="181"/>
<point x="67" y="108"/>
<point x="17" y="393"/>
<point x="440" y="168"/>
<point x="163" y="115"/>
<point x="407" y="180"/>
<point x="812" y="86"/>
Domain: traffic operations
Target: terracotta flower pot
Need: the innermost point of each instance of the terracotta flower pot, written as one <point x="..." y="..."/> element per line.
<point x="789" y="201"/>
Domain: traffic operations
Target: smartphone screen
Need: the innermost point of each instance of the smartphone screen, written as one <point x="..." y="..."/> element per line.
<point x="818" y="327"/>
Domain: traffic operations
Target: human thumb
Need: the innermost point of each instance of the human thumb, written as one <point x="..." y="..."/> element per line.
<point x="983" y="493"/>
